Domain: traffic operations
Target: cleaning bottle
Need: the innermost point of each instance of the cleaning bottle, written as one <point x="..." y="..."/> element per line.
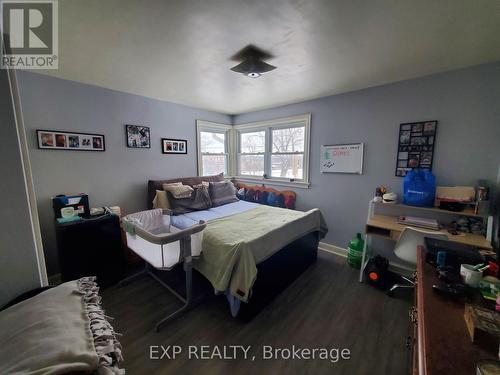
<point x="355" y="251"/>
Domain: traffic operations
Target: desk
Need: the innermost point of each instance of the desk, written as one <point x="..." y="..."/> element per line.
<point x="439" y="339"/>
<point x="387" y="227"/>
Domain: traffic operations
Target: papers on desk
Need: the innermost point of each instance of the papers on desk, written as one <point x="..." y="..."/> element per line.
<point x="419" y="222"/>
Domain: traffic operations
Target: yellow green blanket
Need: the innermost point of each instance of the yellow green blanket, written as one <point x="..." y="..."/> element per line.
<point x="233" y="245"/>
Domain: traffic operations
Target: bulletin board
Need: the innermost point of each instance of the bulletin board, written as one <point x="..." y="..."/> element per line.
<point x="345" y="158"/>
<point x="416" y="146"/>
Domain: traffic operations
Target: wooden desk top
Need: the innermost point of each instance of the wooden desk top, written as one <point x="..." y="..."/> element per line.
<point x="444" y="345"/>
<point x="391" y="223"/>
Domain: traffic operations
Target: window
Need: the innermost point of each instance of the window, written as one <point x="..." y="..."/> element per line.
<point x="212" y="148"/>
<point x="287" y="157"/>
<point x="274" y="150"/>
<point x="252" y="152"/>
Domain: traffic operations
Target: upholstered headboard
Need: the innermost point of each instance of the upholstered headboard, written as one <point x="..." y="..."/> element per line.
<point x="154" y="185"/>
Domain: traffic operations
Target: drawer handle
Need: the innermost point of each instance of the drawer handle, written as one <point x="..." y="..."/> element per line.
<point x="413" y="314"/>
<point x="408" y="342"/>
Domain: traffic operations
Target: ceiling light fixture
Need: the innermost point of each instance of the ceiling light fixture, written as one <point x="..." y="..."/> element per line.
<point x="252" y="64"/>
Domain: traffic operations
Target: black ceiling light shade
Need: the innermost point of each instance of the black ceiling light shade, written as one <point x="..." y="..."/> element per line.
<point x="252" y="62"/>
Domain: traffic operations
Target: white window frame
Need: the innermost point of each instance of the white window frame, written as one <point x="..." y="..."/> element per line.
<point x="268" y="126"/>
<point x="238" y="134"/>
<point x="214" y="127"/>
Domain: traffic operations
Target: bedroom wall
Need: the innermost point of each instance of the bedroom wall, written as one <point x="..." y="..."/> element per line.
<point x="466" y="104"/>
<point x="117" y="176"/>
<point x="18" y="263"/>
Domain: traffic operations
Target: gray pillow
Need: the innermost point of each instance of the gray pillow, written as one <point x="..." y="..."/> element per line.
<point x="199" y="200"/>
<point x="222" y="193"/>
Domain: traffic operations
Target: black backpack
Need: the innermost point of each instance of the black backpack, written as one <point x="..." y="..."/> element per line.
<point x="376" y="271"/>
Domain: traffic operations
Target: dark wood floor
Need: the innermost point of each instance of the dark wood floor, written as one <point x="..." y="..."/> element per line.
<point x="325" y="308"/>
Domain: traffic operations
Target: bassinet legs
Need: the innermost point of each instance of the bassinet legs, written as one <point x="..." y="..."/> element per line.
<point x="187" y="300"/>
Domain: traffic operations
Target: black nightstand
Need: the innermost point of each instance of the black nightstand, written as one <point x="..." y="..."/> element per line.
<point x="91" y="247"/>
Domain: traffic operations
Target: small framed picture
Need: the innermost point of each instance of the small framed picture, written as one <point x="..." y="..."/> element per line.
<point x="138" y="136"/>
<point x="74" y="141"/>
<point x="173" y="146"/>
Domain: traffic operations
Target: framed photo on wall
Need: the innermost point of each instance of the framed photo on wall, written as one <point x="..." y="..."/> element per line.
<point x="74" y="141"/>
<point x="416" y="146"/>
<point x="173" y="146"/>
<point x="138" y="136"/>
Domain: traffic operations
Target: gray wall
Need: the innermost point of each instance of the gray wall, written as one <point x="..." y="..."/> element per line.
<point x="466" y="104"/>
<point x="18" y="264"/>
<point x="117" y="176"/>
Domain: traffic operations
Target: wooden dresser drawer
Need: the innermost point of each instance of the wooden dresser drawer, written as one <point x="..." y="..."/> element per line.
<point x="442" y="345"/>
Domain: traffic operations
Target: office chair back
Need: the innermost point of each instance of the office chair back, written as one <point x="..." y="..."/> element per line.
<point x="406" y="247"/>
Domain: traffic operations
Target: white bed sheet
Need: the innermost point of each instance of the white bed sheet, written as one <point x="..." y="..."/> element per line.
<point x="191" y="218"/>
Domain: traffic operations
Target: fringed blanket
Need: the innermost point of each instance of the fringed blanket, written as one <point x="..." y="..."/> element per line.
<point x="59" y="331"/>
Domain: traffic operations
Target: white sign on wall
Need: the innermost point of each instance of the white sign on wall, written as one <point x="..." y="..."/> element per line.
<point x="346" y="158"/>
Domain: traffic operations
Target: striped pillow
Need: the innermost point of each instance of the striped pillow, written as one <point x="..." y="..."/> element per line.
<point x="222" y="193"/>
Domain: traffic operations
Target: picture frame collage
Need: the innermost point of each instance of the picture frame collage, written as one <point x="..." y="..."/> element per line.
<point x="74" y="141"/>
<point x="416" y="145"/>
<point x="137" y="136"/>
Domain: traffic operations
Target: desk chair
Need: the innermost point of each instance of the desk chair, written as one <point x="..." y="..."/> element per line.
<point x="406" y="249"/>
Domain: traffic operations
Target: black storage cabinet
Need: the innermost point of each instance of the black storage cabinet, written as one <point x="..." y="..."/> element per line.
<point x="92" y="247"/>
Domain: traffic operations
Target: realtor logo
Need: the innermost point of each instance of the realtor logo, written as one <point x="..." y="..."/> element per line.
<point x="30" y="34"/>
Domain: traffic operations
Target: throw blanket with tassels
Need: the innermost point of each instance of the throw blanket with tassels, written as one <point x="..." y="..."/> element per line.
<point x="61" y="330"/>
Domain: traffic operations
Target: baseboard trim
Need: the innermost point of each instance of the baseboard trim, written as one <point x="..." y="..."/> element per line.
<point x="342" y="252"/>
<point x="329" y="248"/>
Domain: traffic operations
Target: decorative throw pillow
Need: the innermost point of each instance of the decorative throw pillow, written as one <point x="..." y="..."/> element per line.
<point x="172" y="184"/>
<point x="249" y="194"/>
<point x="290" y="201"/>
<point x="263" y="198"/>
<point x="199" y="200"/>
<point x="258" y="196"/>
<point x="161" y="200"/>
<point x="241" y="194"/>
<point x="179" y="191"/>
<point x="203" y="183"/>
<point x="271" y="199"/>
<point x="280" y="201"/>
<point x="222" y="193"/>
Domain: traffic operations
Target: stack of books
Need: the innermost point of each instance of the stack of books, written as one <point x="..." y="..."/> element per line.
<point x="419" y="222"/>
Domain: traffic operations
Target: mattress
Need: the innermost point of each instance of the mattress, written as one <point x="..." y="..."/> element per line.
<point x="188" y="220"/>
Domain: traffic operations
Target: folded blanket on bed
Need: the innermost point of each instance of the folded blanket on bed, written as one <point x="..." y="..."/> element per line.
<point x="233" y="245"/>
<point x="59" y="331"/>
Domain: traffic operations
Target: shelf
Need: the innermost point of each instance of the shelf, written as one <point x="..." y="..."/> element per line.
<point x="388" y="227"/>
<point x="466" y="212"/>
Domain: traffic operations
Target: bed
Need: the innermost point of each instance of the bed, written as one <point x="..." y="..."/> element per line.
<point x="251" y="252"/>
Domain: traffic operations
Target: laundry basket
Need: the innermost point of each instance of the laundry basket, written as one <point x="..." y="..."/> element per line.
<point x="151" y="236"/>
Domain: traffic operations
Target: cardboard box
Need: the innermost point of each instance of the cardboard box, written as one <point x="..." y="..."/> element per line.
<point x="483" y="326"/>
<point x="455" y="194"/>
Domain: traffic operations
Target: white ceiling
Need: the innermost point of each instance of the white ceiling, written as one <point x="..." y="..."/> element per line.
<point x="179" y="50"/>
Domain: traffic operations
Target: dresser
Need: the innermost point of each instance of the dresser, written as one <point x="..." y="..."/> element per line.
<point x="91" y="247"/>
<point x="438" y="340"/>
